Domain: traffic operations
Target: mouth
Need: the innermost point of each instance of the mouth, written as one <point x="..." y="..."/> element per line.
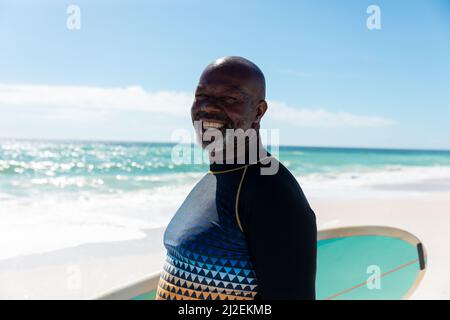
<point x="212" y="121"/>
<point x="210" y="124"/>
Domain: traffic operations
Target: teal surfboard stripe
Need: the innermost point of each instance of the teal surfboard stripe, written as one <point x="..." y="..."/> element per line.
<point x="146" y="296"/>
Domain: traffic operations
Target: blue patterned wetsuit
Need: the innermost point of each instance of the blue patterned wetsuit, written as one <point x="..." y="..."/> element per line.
<point x="241" y="235"/>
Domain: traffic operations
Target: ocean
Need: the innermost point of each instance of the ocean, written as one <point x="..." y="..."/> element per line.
<point x="61" y="194"/>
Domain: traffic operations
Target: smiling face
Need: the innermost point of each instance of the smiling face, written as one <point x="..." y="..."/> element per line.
<point x="230" y="95"/>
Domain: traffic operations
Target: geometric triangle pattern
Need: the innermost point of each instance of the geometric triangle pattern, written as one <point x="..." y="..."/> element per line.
<point x="207" y="253"/>
<point x="182" y="280"/>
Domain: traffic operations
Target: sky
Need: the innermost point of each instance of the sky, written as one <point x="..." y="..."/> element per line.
<point x="129" y="72"/>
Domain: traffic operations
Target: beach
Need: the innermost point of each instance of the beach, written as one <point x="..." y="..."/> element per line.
<point x="82" y="219"/>
<point x="103" y="267"/>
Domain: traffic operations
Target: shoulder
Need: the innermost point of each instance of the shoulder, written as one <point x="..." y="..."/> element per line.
<point x="272" y="181"/>
<point x="276" y="193"/>
<point x="272" y="202"/>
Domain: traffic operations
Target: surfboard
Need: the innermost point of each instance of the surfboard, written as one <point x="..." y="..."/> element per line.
<point x="353" y="263"/>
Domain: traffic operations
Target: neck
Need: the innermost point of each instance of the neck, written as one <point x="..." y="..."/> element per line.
<point x="253" y="152"/>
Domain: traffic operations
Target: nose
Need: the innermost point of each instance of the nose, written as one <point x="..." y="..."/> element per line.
<point x="210" y="107"/>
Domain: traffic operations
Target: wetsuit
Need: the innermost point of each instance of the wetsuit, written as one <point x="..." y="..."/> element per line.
<point x="241" y="235"/>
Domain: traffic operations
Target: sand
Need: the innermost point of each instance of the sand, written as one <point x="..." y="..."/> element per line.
<point x="87" y="271"/>
<point x="83" y="272"/>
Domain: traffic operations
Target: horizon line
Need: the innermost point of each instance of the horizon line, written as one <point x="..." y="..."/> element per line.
<point x="99" y="140"/>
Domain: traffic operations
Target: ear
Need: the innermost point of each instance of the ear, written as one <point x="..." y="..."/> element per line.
<point x="261" y="109"/>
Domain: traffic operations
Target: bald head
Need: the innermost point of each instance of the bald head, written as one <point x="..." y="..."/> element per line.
<point x="240" y="70"/>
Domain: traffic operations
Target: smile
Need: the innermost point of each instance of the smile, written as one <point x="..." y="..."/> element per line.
<point x="212" y="125"/>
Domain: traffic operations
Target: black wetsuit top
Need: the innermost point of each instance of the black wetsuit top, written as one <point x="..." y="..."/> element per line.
<point x="241" y="235"/>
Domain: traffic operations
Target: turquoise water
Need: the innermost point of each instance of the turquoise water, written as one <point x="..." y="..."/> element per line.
<point x="85" y="192"/>
<point x="113" y="167"/>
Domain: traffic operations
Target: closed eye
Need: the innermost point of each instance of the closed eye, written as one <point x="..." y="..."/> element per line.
<point x="201" y="96"/>
<point x="230" y="99"/>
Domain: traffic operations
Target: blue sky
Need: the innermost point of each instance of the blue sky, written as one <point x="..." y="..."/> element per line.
<point x="130" y="71"/>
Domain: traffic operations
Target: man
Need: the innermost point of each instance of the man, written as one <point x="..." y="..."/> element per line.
<point x="240" y="234"/>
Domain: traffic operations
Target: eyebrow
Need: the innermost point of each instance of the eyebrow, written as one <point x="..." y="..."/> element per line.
<point x="234" y="88"/>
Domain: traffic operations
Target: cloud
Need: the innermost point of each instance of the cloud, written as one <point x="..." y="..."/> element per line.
<point x="172" y="103"/>
<point x="83" y="97"/>
<point x="322" y="118"/>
